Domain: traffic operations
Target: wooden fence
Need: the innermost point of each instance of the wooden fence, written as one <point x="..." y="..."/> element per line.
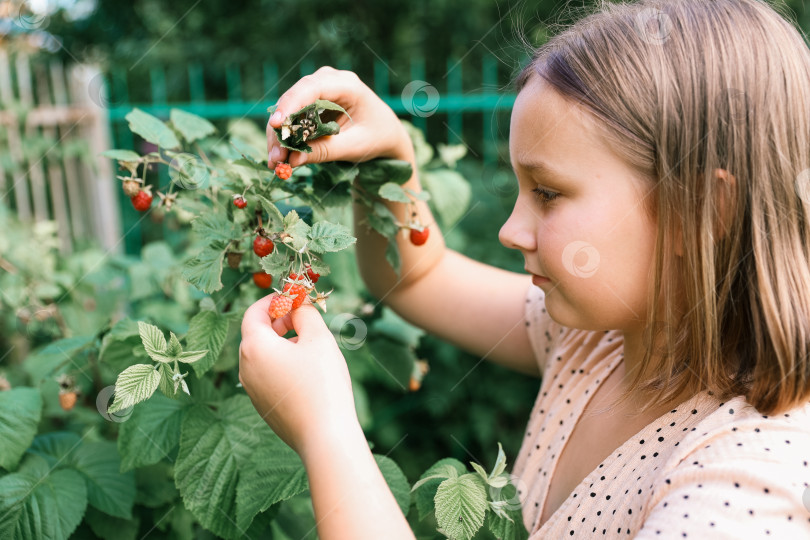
<point x="53" y="126"/>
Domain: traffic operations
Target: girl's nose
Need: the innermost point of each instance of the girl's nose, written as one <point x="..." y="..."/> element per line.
<point x="518" y="231"/>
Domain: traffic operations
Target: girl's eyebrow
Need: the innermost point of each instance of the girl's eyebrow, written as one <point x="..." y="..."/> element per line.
<point x="543" y="170"/>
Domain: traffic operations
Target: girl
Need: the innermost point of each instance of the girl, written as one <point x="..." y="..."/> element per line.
<point x="662" y="153"/>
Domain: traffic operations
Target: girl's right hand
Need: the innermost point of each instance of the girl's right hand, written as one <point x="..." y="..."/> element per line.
<point x="374" y="130"/>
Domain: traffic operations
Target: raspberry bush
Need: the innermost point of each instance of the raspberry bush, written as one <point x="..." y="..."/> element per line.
<point x="120" y="406"/>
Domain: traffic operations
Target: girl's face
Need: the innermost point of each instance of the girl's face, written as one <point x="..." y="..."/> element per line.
<point x="579" y="218"/>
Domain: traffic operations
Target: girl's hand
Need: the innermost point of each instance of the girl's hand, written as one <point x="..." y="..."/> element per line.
<point x="300" y="386"/>
<point x="374" y="130"/>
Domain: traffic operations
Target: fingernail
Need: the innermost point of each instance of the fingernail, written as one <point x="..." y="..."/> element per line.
<point x="277" y="116"/>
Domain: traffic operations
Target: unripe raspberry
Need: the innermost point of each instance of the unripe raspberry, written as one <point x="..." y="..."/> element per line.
<point x="131" y="188"/>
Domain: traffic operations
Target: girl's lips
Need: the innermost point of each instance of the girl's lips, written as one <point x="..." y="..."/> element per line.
<point x="539" y="280"/>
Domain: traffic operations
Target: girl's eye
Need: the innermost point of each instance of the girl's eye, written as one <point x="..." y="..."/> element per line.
<point x="544" y="196"/>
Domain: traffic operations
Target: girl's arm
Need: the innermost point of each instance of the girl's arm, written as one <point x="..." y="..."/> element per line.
<point x="478" y="307"/>
<point x="349" y="494"/>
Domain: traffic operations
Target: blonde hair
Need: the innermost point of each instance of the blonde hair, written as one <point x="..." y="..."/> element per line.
<point x="680" y="89"/>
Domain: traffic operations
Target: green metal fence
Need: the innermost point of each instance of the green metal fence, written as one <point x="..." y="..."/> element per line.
<point x="470" y="110"/>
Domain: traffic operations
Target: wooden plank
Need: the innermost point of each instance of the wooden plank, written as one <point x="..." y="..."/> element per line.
<point x="101" y="201"/>
<point x="22" y="198"/>
<point x="78" y="228"/>
<point x="55" y="177"/>
<point x="33" y="163"/>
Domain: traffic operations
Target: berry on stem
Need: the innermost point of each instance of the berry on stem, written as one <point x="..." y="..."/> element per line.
<point x="313" y="276"/>
<point x="283" y="171"/>
<point x="279" y="306"/>
<point x="142" y="201"/>
<point x="234" y="258"/>
<point x="263" y="280"/>
<point x="131" y="187"/>
<point x="67" y="400"/>
<point x="262" y="246"/>
<point x="419" y="237"/>
<point x="239" y="201"/>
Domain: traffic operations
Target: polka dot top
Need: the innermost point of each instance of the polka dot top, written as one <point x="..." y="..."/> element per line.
<point x="706" y="469"/>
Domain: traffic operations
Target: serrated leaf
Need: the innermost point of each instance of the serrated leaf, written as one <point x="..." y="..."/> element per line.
<point x="36" y="502"/>
<point x="152" y="129"/>
<point x="480" y="470"/>
<point x="207" y="330"/>
<point x="108" y="489"/>
<point x="393" y="192"/>
<point x="214" y="447"/>
<point x="510" y="527"/>
<point x="213" y="226"/>
<point x="461" y="504"/>
<point x="297" y="228"/>
<point x="20" y="411"/>
<point x="189" y="357"/>
<point x="276" y="264"/>
<point x="154" y="342"/>
<point x="152" y="432"/>
<point x="396" y="480"/>
<point x="134" y="384"/>
<point x="54" y="358"/>
<point x="191" y="126"/>
<point x="329" y="106"/>
<point x="500" y="462"/>
<point x="108" y="527"/>
<point x="425" y="488"/>
<point x="166" y="384"/>
<point x="122" y="155"/>
<point x="276" y="474"/>
<point x="325" y="236"/>
<point x="55" y="447"/>
<point x="205" y="270"/>
<point x="174" y="349"/>
<point x="276" y="218"/>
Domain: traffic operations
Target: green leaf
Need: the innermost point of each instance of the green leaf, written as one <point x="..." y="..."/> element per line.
<point x="207" y="330"/>
<point x="329" y="106"/>
<point x="325" y="236"/>
<point x="214" y="447"/>
<point x="134" y="384"/>
<point x="151" y="129"/>
<point x="397" y="329"/>
<point x="108" y="489"/>
<point x="54" y="358"/>
<point x="205" y="270"/>
<point x="191" y="126"/>
<point x="190" y="357"/>
<point x="276" y="474"/>
<point x="152" y="432"/>
<point x="20" y="411"/>
<point x="383" y="220"/>
<point x="393" y="192"/>
<point x="174" y="348"/>
<point x="396" y="481"/>
<point x="55" y="447"/>
<point x="377" y="172"/>
<point x="276" y="218"/>
<point x="213" y="226"/>
<point x="166" y="384"/>
<point x="276" y="264"/>
<point x="154" y="342"/>
<point x="461" y="504"/>
<point x="505" y="529"/>
<point x="297" y="228"/>
<point x="155" y="484"/>
<point x="425" y="489"/>
<point x="122" y="155"/>
<point x="500" y="462"/>
<point x="394" y="361"/>
<point x="36" y="502"/>
<point x="450" y="194"/>
<point x="392" y="256"/>
<point x="111" y="528"/>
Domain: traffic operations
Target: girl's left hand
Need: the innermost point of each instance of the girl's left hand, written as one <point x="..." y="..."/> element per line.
<point x="301" y="385"/>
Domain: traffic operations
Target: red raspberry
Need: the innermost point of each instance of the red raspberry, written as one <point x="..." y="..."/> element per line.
<point x="263" y="280"/>
<point x="419" y="237"/>
<point x="262" y="246"/>
<point x="239" y="201"/>
<point x="284" y="171"/>
<point x="279" y="306"/>
<point x="142" y="201"/>
<point x="299" y="291"/>
<point x="313" y="276"/>
<point x="296" y="277"/>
